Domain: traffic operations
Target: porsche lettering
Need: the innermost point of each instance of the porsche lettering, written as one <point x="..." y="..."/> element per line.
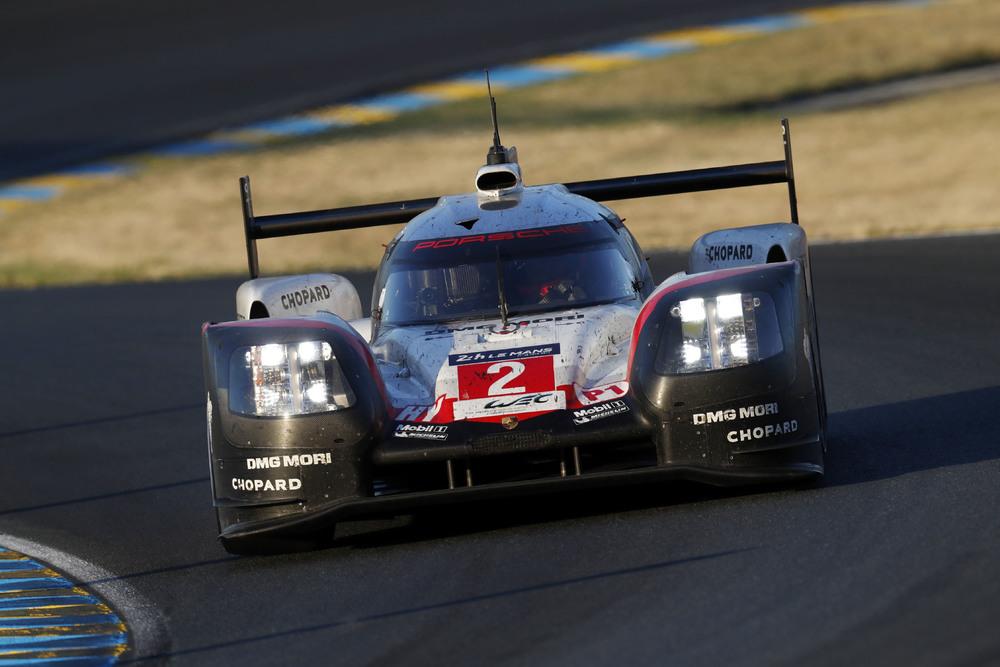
<point x="541" y="232"/>
<point x="511" y="326"/>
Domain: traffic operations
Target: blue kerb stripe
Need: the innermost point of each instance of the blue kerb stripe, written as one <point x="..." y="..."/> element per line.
<point x="43" y="618"/>
<point x="29" y="192"/>
<point x="54" y="603"/>
<point x="641" y="49"/>
<point x="44" y="600"/>
<point x="14" y="565"/>
<point x="398" y="101"/>
<point x="774" y="23"/>
<point x="511" y="76"/>
<point x="53" y="642"/>
<point x="33" y="584"/>
<point x="100" y="169"/>
<point x="293" y="126"/>
<point x="199" y="147"/>
<point x="27" y="657"/>
<point x="57" y="621"/>
<point x="514" y="76"/>
<point x="76" y="661"/>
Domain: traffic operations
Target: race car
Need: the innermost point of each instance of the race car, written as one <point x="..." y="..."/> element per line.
<point x="517" y="344"/>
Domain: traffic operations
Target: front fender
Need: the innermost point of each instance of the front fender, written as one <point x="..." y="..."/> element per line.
<point x="728" y="416"/>
<point x="270" y="467"/>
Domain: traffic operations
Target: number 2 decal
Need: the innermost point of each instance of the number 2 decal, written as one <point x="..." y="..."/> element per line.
<point x="505" y="378"/>
<point x="500" y="386"/>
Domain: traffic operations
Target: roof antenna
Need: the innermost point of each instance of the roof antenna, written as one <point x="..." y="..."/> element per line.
<point x="504" y="307"/>
<point x="497" y="153"/>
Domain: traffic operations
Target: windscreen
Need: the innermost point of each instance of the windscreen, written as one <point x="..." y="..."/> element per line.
<point x="552" y="268"/>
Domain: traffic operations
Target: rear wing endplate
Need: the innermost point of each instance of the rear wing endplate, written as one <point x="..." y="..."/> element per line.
<point x="609" y="189"/>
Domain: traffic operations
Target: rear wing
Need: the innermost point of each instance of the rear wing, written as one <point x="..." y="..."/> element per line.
<point x="609" y="189"/>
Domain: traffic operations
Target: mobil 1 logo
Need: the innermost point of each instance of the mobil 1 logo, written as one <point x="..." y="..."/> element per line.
<point x="421" y="431"/>
<point x="599" y="411"/>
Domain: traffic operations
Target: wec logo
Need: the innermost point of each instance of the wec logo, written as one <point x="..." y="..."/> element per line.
<point x="520" y="401"/>
<point x="539" y="401"/>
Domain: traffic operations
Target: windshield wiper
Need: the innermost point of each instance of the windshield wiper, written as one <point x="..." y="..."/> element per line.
<point x="503" y="296"/>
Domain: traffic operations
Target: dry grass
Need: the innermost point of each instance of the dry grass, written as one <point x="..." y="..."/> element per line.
<point x="721" y="79"/>
<point x="902" y="41"/>
<point x="920" y="166"/>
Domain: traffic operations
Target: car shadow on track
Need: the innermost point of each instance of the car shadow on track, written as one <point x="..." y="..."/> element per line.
<point x="484" y="516"/>
<point x="865" y="445"/>
<point x="889" y="440"/>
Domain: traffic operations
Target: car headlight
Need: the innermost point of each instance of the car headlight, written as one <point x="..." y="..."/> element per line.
<point x="285" y="379"/>
<point x="706" y="333"/>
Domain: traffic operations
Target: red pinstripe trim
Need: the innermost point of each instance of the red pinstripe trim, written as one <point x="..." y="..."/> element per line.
<point x="346" y="331"/>
<point x="699" y="279"/>
<point x="271" y="323"/>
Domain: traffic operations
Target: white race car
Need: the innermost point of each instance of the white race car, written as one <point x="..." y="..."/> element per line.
<point x="517" y="344"/>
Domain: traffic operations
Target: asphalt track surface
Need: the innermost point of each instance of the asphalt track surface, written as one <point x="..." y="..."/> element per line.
<point x="895" y="558"/>
<point x="84" y="80"/>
